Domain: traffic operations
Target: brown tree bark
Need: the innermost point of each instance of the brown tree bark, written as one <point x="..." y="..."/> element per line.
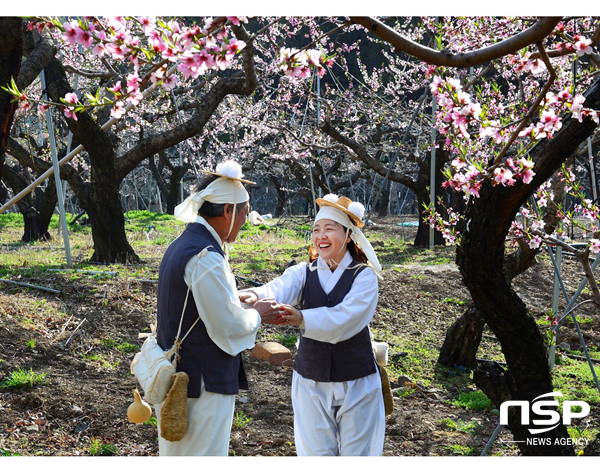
<point x="169" y="189"/>
<point x="36" y="207"/>
<point x="11" y="51"/>
<point x="536" y="33"/>
<point x="462" y="340"/>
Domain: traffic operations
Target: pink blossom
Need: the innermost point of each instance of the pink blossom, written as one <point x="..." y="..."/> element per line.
<point x="204" y="61"/>
<point x="504" y="176"/>
<point x="564" y="95"/>
<point x="435" y="85"/>
<point x="70" y="33"/>
<point x="471" y="109"/>
<point x="492" y="131"/>
<point x="314" y="57"/>
<point x="534" y="242"/>
<point x="69" y="113"/>
<point x="147" y="23"/>
<point x="234" y="46"/>
<point x="594" y="245"/>
<point x="84" y="38"/>
<point x="577" y="107"/>
<point x="133" y="82"/>
<point x="118" y="110"/>
<point x="116" y="89"/>
<point x="187" y="64"/>
<point x="116" y="51"/>
<point x="237" y="20"/>
<point x="135" y="97"/>
<point x="99" y="50"/>
<point x="583" y="46"/>
<point x="528" y="176"/>
<point x="71" y="98"/>
<point x="170" y="82"/>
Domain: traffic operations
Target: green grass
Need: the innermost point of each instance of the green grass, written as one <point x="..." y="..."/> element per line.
<point x="462" y="450"/>
<point x="574" y="379"/>
<point x="4" y="452"/>
<point x="102" y="449"/>
<point x="461" y="426"/>
<point x="240" y="420"/>
<point x="472" y="400"/>
<point x="104" y="361"/>
<point x="122" y="347"/>
<point x="287" y="340"/>
<point x="153" y="421"/>
<point x="21" y="379"/>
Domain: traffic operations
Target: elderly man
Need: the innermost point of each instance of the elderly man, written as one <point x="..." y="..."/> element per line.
<point x="195" y="279"/>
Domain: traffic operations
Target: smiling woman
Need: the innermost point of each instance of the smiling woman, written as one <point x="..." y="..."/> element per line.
<point x="336" y="381"/>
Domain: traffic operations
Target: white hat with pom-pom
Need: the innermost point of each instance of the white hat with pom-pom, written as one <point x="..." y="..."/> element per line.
<point x="353" y="209"/>
<point x="226" y="189"/>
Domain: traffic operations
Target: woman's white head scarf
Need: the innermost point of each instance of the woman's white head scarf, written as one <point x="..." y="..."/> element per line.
<point x="227" y="188"/>
<point x="349" y="214"/>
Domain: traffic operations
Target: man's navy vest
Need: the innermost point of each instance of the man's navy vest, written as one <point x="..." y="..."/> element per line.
<point x="326" y="362"/>
<point x="200" y="356"/>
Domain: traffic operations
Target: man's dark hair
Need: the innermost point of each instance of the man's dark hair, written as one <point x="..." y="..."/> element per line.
<point x="212" y="210"/>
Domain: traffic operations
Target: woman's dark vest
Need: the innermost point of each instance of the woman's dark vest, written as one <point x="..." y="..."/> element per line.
<point x="344" y="361"/>
<point x="200" y="356"/>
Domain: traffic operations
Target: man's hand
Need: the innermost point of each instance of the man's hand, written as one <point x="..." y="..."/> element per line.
<point x="270" y="312"/>
<point x="248" y="297"/>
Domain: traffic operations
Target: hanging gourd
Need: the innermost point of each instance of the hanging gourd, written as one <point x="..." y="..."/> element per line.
<point x="139" y="411"/>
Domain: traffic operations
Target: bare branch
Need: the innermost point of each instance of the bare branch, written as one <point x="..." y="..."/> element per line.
<point x="542" y="28"/>
<point x="104" y="74"/>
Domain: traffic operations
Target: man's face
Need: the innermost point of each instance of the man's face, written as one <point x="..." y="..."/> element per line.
<point x="240" y="219"/>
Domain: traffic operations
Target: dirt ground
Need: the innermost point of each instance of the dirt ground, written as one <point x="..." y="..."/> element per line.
<point x="89" y="387"/>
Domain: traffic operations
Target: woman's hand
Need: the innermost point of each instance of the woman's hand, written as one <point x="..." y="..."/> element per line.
<point x="291" y="316"/>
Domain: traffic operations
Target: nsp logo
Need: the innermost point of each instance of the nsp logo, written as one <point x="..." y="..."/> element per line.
<point x="537" y="408"/>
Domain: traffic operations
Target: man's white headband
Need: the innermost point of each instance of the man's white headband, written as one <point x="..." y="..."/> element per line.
<point x="221" y="191"/>
<point x="225" y="189"/>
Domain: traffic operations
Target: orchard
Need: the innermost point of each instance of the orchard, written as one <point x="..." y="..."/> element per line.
<point x="474" y="136"/>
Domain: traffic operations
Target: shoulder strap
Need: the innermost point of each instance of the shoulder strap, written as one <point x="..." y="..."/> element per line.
<point x="177" y="343"/>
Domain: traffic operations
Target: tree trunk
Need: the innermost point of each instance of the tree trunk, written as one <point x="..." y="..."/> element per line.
<point x="421" y="191"/>
<point x="480" y="257"/>
<point x="102" y="202"/>
<point x="464" y="336"/>
<point x="462" y="340"/>
<point x="281" y="196"/>
<point x="36" y="217"/>
<point x="171" y="190"/>
<point x="11" y="51"/>
<point x="385" y="201"/>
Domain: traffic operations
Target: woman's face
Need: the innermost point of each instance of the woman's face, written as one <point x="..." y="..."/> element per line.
<point x="329" y="239"/>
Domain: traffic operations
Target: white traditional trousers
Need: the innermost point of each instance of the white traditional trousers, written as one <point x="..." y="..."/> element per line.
<point x="338" y="419"/>
<point x="208" y="428"/>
